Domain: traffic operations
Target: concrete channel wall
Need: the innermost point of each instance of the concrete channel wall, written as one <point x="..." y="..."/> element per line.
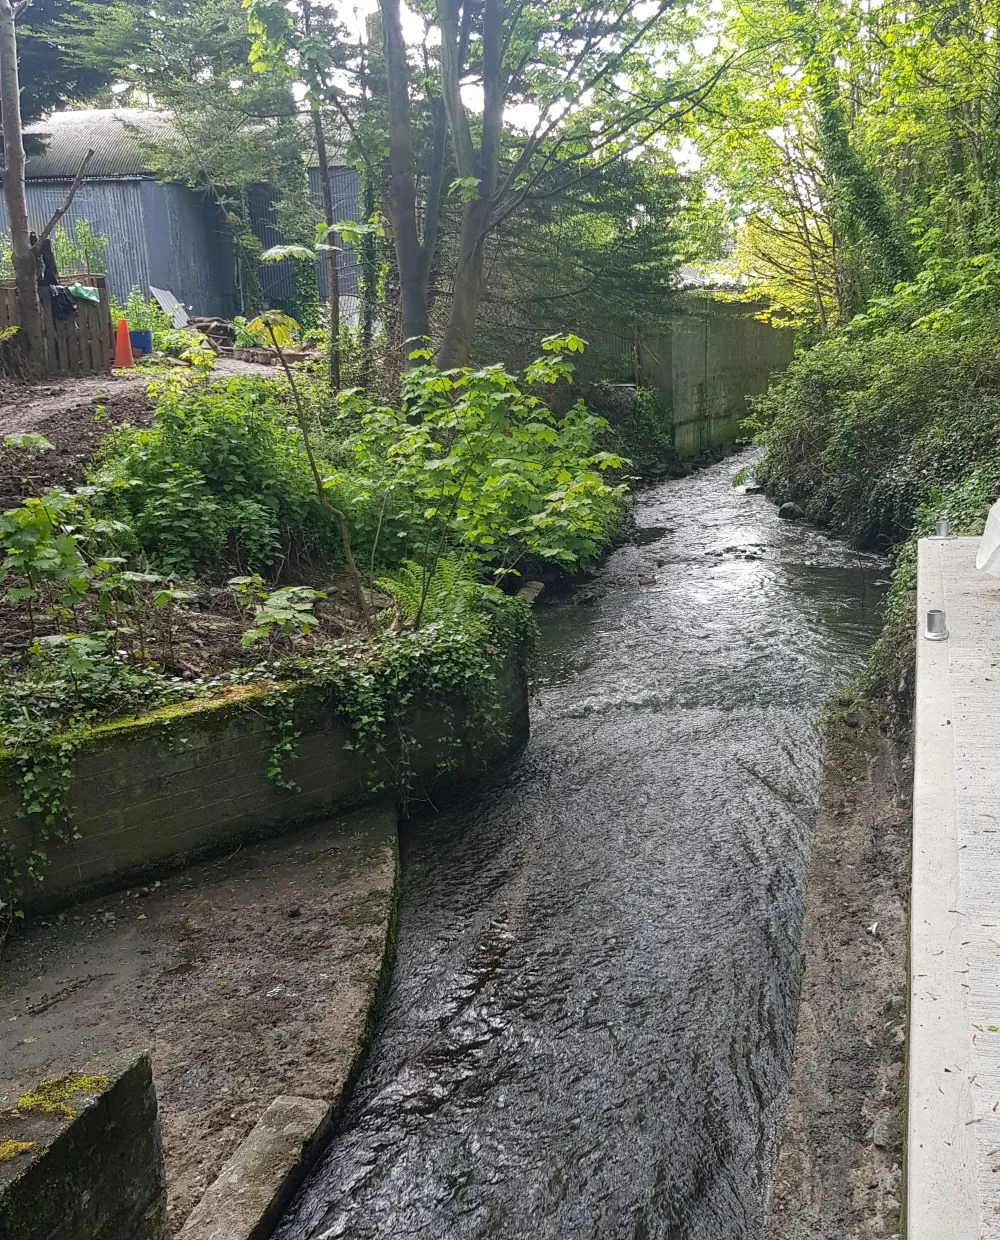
<point x="95" y="1172"/>
<point x="953" y="1119"/>
<point x="179" y="784"/>
<point x="710" y="357"/>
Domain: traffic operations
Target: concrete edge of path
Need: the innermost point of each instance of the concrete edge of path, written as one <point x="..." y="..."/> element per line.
<point x="255" y="1186"/>
<point x="942" y="1194"/>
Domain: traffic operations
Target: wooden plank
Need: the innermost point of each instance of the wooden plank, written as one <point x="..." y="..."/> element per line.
<point x="72" y="329"/>
<point x="58" y="341"/>
<point x="88" y="338"/>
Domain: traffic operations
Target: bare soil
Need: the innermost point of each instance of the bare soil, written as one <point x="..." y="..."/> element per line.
<point x="839" y="1173"/>
<point x="74" y="416"/>
<point x="245" y="978"/>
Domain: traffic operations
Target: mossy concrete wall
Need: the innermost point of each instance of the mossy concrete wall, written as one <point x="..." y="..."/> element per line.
<point x="709" y="359"/>
<point x="150" y="794"/>
<point x="95" y="1173"/>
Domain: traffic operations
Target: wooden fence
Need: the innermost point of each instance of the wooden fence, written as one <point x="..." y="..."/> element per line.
<point x="80" y="345"/>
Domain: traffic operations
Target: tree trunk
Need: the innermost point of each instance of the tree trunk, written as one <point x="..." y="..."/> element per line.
<point x="369" y="282"/>
<point x="332" y="271"/>
<point x="459" y="334"/>
<point x="29" y="310"/>
<point x="410" y="259"/>
<point x="481" y="165"/>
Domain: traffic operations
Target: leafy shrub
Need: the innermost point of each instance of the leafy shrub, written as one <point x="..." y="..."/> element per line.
<point x="859" y="431"/>
<point x="141" y="313"/>
<point x="638" y="427"/>
<point x="220" y="481"/>
<point x="472" y="463"/>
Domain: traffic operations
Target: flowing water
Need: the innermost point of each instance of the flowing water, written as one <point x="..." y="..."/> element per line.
<point x="590" y="1024"/>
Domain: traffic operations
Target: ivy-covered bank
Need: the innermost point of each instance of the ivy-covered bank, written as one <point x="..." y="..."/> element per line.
<point x="262" y="538"/>
<point x="411" y="717"/>
<point x="891" y="423"/>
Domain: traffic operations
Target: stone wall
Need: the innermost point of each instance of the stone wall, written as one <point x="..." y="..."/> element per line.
<point x="705" y="363"/>
<point x="93" y="1174"/>
<point x="178" y="784"/>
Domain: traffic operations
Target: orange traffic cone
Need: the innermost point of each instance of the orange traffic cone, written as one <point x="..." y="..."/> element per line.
<point x="123" y="348"/>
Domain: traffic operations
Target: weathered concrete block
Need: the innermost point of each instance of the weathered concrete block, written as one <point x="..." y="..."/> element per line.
<point x="179" y="785"/>
<point x="93" y="1173"/>
<point x="253" y="1188"/>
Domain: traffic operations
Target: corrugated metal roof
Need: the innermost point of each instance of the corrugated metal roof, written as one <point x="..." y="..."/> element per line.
<point x="114" y="134"/>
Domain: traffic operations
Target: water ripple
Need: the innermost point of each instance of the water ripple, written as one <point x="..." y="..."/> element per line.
<point x="590" y="1022"/>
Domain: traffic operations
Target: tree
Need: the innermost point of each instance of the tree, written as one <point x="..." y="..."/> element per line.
<point x="601" y="257"/>
<point x="25" y="245"/>
<point x="601" y="83"/>
<point x="58" y="56"/>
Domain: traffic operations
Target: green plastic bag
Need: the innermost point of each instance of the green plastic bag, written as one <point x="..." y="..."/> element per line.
<point x="84" y="292"/>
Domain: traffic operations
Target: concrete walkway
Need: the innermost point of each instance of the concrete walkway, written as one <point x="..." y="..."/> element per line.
<point x="953" y="1139"/>
<point x="252" y="981"/>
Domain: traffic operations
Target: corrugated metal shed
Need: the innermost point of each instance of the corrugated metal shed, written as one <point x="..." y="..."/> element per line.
<point x="276" y="278"/>
<point x="162" y="233"/>
<point x="115" y="135"/>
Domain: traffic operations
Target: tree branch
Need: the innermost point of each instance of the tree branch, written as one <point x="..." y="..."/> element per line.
<point x="43" y="236"/>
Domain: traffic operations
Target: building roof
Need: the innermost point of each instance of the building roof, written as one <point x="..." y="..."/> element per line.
<point x="115" y="134"/>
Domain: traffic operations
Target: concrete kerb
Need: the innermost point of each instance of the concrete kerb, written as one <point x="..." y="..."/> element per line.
<point x="254" y="1187"/>
<point x="953" y="1125"/>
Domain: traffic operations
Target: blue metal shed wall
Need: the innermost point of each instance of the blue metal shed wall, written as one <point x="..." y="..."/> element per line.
<point x="189" y="251"/>
<point x="275" y="278"/>
<point x="345" y="185"/>
<point x="164" y="235"/>
<point x="113" y="209"/>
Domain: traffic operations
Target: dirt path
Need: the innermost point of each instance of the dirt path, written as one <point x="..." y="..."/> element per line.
<point x="839" y="1174"/>
<point x="245" y="978"/>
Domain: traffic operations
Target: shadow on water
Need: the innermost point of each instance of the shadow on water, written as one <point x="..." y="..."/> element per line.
<point x="590" y="1023"/>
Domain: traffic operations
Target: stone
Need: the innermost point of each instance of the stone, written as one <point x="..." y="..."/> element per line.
<point x="256" y="1184"/>
<point x="95" y="1172"/>
<point x="791" y="512"/>
<point x="882" y="1132"/>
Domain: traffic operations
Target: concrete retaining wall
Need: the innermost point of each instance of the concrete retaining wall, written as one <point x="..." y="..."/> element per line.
<point x="953" y="1063"/>
<point x="97" y="1175"/>
<point x="704" y="365"/>
<point x="185" y="782"/>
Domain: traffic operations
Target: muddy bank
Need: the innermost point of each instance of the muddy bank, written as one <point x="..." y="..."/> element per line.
<point x="839" y="1172"/>
<point x="246" y="979"/>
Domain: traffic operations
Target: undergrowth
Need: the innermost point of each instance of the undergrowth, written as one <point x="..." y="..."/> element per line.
<point x="889" y="424"/>
<point x="229" y="519"/>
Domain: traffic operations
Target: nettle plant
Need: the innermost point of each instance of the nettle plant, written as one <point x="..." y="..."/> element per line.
<point x="274" y="614"/>
<point x="473" y="464"/>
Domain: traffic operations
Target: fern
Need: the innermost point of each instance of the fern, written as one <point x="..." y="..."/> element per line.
<point x="452" y="589"/>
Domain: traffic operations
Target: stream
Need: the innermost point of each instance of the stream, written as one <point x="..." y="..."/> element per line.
<point x="591" y="1018"/>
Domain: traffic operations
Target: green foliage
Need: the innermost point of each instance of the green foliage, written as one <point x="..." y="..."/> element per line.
<point x="471" y="463"/>
<point x="40" y="544"/>
<point x="30" y="441"/>
<point x="451" y="589"/>
<point x="141" y="313"/>
<point x="890" y="424"/>
<point x="77" y="248"/>
<point x="861" y="429"/>
<point x="639" y="428"/>
<point x="220" y="480"/>
<point x="282" y="613"/>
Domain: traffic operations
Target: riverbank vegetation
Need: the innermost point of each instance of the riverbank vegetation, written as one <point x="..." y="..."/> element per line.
<point x="865" y="158"/>
<point x="372" y="548"/>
